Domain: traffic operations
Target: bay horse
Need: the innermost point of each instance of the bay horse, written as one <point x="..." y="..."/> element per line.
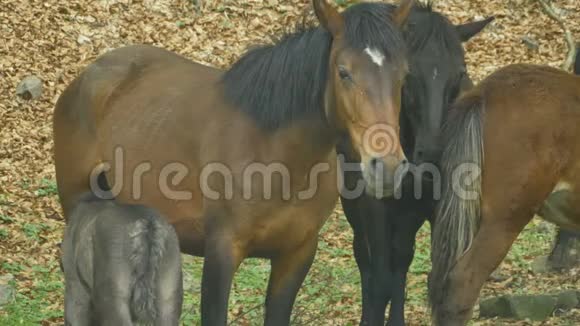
<point x="513" y="151"/>
<point x="145" y="125"/>
<point x="385" y="229"/>
<point x="121" y="265"/>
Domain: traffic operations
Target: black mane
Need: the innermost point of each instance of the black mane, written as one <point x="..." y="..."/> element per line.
<point x="280" y="83"/>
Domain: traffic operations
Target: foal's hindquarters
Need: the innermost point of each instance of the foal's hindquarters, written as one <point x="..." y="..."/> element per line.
<point x="122" y="266"/>
<point x="521" y="123"/>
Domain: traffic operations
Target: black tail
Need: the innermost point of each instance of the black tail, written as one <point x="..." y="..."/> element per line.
<point x="148" y="243"/>
<point x="577" y="62"/>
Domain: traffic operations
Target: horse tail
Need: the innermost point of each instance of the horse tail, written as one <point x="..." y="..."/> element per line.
<point x="459" y="210"/>
<point x="149" y="237"/>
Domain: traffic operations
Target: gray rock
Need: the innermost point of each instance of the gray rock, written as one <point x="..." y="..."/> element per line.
<point x="534" y="307"/>
<point x="568" y="300"/>
<point x="545" y="227"/>
<point x="29" y="88"/>
<point x="6" y="289"/>
<point x="494" y="307"/>
<point x="497" y="276"/>
<point x="531" y="43"/>
<point x="541" y="265"/>
<point x="82" y="39"/>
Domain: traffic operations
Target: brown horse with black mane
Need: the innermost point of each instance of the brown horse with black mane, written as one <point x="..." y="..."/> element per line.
<point x="513" y="151"/>
<point x="241" y="162"/>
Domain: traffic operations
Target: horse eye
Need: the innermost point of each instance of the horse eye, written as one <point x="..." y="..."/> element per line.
<point x="343" y="73"/>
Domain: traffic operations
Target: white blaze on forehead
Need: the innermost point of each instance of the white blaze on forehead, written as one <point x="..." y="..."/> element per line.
<point x="376" y="56"/>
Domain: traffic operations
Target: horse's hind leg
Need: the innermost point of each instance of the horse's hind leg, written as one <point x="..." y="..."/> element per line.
<point x="497" y="232"/>
<point x="77" y="305"/>
<point x="221" y="260"/>
<point x="170" y="286"/>
<point x="112" y="293"/>
<point x="288" y="273"/>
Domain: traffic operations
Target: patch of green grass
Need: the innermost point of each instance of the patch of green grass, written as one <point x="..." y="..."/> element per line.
<point x="36" y="304"/>
<point x="329" y="288"/>
<point x="47" y="188"/>
<point x="6" y="219"/>
<point x="12" y="268"/>
<point x="422" y="259"/>
<point x="3" y="234"/>
<point x="531" y="243"/>
<point x="33" y="230"/>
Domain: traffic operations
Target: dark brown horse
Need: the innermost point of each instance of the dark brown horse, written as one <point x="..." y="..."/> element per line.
<point x="241" y="162"/>
<point x="513" y="151"/>
<point x="385" y="229"/>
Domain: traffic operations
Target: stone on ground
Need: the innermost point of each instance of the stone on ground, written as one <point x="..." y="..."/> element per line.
<point x="29" y="88"/>
<point x="6" y="289"/>
<point x="530" y="307"/>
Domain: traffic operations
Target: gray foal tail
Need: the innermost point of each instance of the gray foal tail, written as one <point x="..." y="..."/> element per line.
<point x="148" y="247"/>
<point x="459" y="210"/>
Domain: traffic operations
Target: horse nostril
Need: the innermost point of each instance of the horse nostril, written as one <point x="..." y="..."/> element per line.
<point x="404" y="161"/>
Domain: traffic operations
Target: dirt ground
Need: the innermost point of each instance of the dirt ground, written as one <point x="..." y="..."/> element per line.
<point x="54" y="40"/>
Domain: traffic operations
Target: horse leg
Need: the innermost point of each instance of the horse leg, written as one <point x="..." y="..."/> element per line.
<point x="77" y="304"/>
<point x="170" y="286"/>
<point x="287" y="275"/>
<point x="112" y="295"/>
<point x="380" y="245"/>
<point x="361" y="256"/>
<point x="221" y="260"/>
<point x="561" y="256"/>
<point x="490" y="246"/>
<point x="402" y="257"/>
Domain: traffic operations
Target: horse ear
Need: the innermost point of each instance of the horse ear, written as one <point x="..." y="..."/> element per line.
<point x="402" y="12"/>
<point x="329" y="17"/>
<point x="469" y="30"/>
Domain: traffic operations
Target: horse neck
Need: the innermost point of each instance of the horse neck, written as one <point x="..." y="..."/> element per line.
<point x="307" y="141"/>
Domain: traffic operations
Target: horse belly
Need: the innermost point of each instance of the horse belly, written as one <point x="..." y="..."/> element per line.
<point x="286" y="227"/>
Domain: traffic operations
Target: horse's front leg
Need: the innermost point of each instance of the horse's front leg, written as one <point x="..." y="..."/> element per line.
<point x="377" y="290"/>
<point x="403" y="251"/>
<point x="288" y="272"/>
<point x="221" y="260"/>
<point x="361" y="253"/>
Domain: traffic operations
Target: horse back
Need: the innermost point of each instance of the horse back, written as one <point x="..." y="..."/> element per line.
<point x="114" y="97"/>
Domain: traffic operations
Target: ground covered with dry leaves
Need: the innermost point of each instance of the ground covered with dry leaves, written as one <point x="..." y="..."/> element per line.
<point x="54" y="40"/>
